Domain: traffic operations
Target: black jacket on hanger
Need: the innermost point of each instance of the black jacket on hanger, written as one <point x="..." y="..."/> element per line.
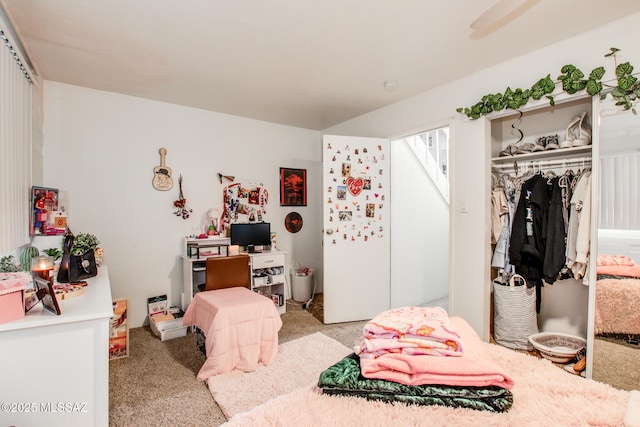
<point x="556" y="237"/>
<point x="528" y="233"/>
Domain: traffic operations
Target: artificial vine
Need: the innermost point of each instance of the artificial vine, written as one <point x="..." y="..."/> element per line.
<point x="626" y="93"/>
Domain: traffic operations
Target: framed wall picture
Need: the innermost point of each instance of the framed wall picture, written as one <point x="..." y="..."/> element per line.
<point x="46" y="219"/>
<point x="293" y="187"/>
<point x="119" y="336"/>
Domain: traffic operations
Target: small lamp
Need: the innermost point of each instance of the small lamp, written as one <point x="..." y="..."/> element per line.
<point x="41" y="266"/>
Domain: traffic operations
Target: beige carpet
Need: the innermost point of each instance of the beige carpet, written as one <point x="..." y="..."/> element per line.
<point x="616" y="363"/>
<point x="298" y="364"/>
<point x="544" y="395"/>
<point x="156" y="385"/>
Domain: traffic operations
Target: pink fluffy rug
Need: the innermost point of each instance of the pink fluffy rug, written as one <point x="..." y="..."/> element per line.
<point x="297" y="364"/>
<point x="544" y="395"/>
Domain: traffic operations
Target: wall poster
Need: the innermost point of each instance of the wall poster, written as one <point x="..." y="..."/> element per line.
<point x="293" y="187"/>
<point x="48" y="218"/>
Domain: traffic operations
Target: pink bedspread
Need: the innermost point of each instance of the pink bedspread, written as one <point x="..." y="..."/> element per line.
<point x="241" y="327"/>
<point x="619" y="270"/>
<point x="474" y="368"/>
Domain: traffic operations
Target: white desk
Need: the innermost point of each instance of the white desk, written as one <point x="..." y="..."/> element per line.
<point x="54" y="370"/>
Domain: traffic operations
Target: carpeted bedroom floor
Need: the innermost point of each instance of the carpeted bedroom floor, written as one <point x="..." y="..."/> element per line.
<point x="156" y="384"/>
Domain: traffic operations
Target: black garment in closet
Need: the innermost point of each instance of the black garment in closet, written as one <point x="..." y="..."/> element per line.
<point x="556" y="235"/>
<point x="528" y="233"/>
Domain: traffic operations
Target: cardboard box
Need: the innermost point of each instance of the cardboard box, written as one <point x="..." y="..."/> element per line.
<point x="164" y="324"/>
<point x="12" y="287"/>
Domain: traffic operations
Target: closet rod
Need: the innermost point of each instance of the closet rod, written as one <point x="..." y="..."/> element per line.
<point x="539" y="164"/>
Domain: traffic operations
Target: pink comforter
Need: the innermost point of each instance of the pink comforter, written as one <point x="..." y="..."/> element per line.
<point x="474" y="368"/>
<point x="619" y="270"/>
<point x="241" y="327"/>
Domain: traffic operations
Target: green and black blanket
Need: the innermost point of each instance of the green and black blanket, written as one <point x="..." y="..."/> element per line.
<point x="344" y="378"/>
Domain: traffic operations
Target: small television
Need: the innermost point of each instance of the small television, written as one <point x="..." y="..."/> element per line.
<point x="251" y="235"/>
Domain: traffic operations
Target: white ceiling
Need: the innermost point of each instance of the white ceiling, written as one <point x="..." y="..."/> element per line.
<point x="305" y="63"/>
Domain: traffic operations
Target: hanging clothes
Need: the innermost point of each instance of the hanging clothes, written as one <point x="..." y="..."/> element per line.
<point x="499" y="211"/>
<point x="555" y="248"/>
<point x="528" y="234"/>
<point x="500" y="259"/>
<point x="579" y="230"/>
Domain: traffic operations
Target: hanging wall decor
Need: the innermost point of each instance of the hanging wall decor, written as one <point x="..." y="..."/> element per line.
<point x="244" y="202"/>
<point x="182" y="209"/>
<point x="293" y="222"/>
<point x="293" y="187"/>
<point x="48" y="218"/>
<point x="162" y="174"/>
<point x="225" y="177"/>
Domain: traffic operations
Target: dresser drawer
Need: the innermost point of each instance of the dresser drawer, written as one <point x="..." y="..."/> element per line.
<point x="267" y="261"/>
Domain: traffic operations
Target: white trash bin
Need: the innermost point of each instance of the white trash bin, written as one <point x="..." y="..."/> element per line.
<point x="302" y="284"/>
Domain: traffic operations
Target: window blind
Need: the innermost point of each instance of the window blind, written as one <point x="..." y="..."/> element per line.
<point x="619" y="193"/>
<point x="15" y="146"/>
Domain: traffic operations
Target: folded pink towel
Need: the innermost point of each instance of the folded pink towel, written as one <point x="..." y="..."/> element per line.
<point x="410" y="330"/>
<point x="474" y="368"/>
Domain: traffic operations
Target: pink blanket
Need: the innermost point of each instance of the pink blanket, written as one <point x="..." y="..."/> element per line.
<point x="474" y="368"/>
<point x="410" y="330"/>
<point x="241" y="327"/>
<point x="619" y="270"/>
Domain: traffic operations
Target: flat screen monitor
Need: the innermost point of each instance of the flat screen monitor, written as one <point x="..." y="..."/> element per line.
<point x="251" y="235"/>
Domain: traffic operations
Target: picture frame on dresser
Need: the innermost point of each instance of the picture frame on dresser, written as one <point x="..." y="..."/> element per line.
<point x="119" y="331"/>
<point x="46" y="294"/>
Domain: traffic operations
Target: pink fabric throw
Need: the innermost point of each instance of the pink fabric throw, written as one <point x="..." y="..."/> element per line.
<point x="474" y="368"/>
<point x="410" y="330"/>
<point x="241" y="327"/>
<point x="614" y="260"/>
<point x="619" y="270"/>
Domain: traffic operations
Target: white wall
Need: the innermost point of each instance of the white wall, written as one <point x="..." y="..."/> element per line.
<point x="419" y="232"/>
<point x="102" y="147"/>
<point x="469" y="157"/>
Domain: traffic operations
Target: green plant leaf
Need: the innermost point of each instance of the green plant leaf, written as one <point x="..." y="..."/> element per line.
<point x="593" y="87"/>
<point x="626" y="82"/>
<point x="612" y="52"/>
<point x="624" y="69"/>
<point x="597" y="73"/>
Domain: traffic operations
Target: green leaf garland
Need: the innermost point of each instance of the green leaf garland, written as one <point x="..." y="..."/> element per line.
<point x="572" y="79"/>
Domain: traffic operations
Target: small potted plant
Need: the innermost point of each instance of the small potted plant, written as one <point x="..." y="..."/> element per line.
<point x="54" y="253"/>
<point x="83" y="243"/>
<point x="8" y="264"/>
<point x="81" y="263"/>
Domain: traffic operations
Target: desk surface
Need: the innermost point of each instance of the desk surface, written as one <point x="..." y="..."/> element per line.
<point x="94" y="303"/>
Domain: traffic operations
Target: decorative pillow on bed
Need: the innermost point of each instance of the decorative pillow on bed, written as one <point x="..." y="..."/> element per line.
<point x="610" y="260"/>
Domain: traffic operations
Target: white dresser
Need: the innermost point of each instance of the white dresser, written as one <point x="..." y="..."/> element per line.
<point x="54" y="370"/>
